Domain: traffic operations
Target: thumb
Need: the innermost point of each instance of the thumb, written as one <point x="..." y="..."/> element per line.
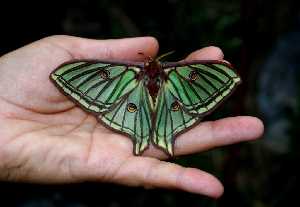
<point x="120" y="49"/>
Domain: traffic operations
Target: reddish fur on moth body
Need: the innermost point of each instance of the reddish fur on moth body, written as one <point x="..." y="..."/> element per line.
<point x="154" y="75"/>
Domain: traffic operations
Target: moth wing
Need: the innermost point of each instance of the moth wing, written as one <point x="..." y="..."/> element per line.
<point x="132" y="116"/>
<point x="201" y="85"/>
<point x="171" y="119"/>
<point x="95" y="86"/>
<point x="191" y="91"/>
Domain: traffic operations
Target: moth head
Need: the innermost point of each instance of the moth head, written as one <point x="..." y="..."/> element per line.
<point x="148" y="59"/>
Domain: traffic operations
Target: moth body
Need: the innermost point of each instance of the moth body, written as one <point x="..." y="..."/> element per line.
<point x="153" y="76"/>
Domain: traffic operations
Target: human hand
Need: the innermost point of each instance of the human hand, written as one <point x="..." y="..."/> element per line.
<point x="45" y="138"/>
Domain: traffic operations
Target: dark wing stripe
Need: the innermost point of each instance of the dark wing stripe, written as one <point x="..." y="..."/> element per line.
<point x="145" y="111"/>
<point x="79" y="93"/>
<point x="114" y="90"/>
<point x="95" y="86"/>
<point x="135" y="125"/>
<point x="92" y="76"/>
<point x="156" y="131"/>
<point x="213" y="76"/>
<point x="196" y="94"/>
<point x="218" y="93"/>
<point x="212" y="98"/>
<point x="114" y="115"/>
<point x="197" y="84"/>
<point x="176" y="89"/>
<point x="183" y="120"/>
<point x="93" y="100"/>
<point x="125" y="97"/>
<point x="127" y="128"/>
<point x="193" y="89"/>
<point x="84" y="95"/>
<point x="147" y="118"/>
<point x="78" y="67"/>
<point x="105" y="87"/>
<point x="178" y="94"/>
<point x="103" y="81"/>
<point x="184" y="89"/>
<point x="181" y="113"/>
<point x="216" y="68"/>
<point x="83" y="73"/>
<point x="102" y="90"/>
<point x="85" y="81"/>
<point x="140" y="110"/>
<point x="171" y="119"/>
<point x="124" y="117"/>
<point x="123" y="87"/>
<point x="207" y="81"/>
<point x="141" y="118"/>
<point x="185" y="92"/>
<point x="159" y="120"/>
<point x="166" y="121"/>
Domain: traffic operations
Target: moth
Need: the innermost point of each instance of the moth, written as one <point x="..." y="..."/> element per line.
<point x="150" y="101"/>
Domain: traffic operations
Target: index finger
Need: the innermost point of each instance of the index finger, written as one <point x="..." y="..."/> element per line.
<point x="207" y="53"/>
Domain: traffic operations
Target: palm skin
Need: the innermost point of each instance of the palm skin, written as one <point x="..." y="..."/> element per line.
<point x="45" y="138"/>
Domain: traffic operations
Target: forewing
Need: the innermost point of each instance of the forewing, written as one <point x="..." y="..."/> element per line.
<point x="132" y="116"/>
<point x="201" y="86"/>
<point x="171" y="119"/>
<point x="95" y="86"/>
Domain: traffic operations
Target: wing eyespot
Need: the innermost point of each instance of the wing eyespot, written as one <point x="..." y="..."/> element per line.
<point x="193" y="75"/>
<point x="104" y="74"/>
<point x="131" y="107"/>
<point x="175" y="106"/>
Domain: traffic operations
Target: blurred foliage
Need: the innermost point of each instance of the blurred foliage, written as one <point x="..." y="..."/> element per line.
<point x="253" y="175"/>
<point x="205" y="22"/>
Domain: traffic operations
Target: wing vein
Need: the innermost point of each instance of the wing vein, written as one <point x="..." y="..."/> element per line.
<point x="78" y="67"/>
<point x="166" y="121"/>
<point x="216" y="68"/>
<point x="114" y="115"/>
<point x="208" y="74"/>
<point x="176" y="89"/>
<point x="103" y="81"/>
<point x="115" y="88"/>
<point x="141" y="118"/>
<point x="83" y="73"/>
<point x="185" y="92"/>
<point x="193" y="89"/>
<point x="123" y="120"/>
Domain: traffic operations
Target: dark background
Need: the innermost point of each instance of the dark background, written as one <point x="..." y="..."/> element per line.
<point x="261" y="38"/>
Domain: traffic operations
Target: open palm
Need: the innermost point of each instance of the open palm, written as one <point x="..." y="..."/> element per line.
<point x="45" y="138"/>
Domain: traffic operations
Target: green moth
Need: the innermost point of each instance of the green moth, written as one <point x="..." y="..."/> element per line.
<point x="147" y="101"/>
